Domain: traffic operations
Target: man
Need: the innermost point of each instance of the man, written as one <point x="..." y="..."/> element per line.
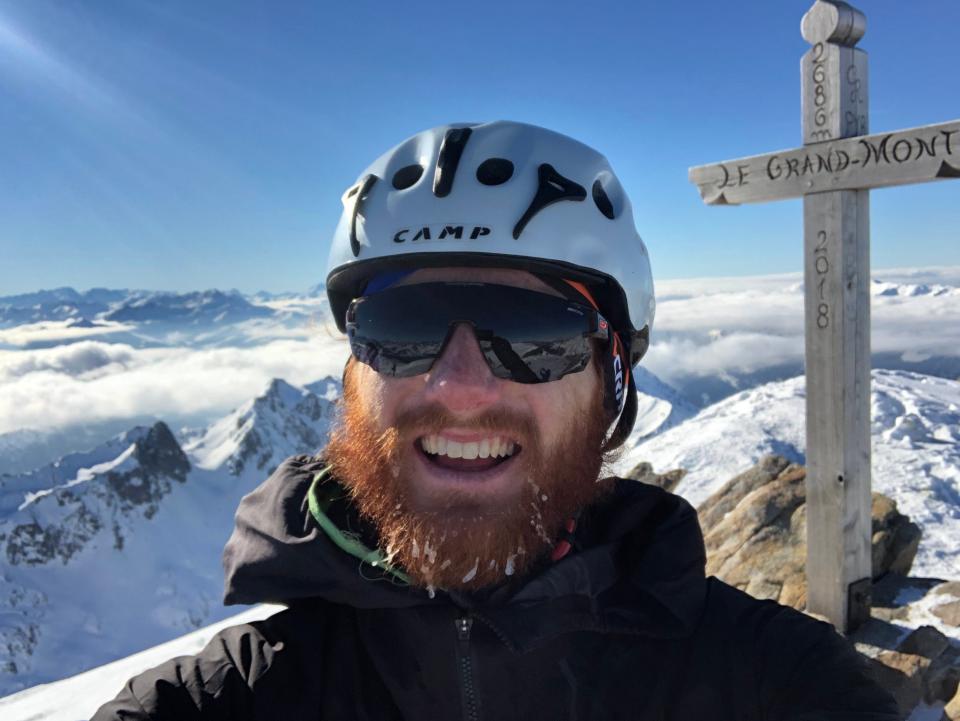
<point x="458" y="551"/>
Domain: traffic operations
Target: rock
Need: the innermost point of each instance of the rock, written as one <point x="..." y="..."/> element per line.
<point x="949" y="613"/>
<point x="644" y="473"/>
<point x="939" y="680"/>
<point x="915" y="677"/>
<point x="755" y="537"/>
<point x="712" y="511"/>
<point x="895" y="538"/>
<point x="755" y="533"/>
<point x="951" y="589"/>
<point x="759" y="545"/>
<point x="902" y="675"/>
<point x="924" y="641"/>
<point x="942" y="680"/>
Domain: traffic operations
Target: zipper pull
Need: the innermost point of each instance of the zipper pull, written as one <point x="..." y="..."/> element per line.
<point x="463" y="628"/>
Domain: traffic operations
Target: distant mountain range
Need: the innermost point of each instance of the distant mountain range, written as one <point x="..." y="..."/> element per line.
<point x="141" y="306"/>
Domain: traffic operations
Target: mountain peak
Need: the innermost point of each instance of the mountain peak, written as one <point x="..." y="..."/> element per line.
<point x="285" y="420"/>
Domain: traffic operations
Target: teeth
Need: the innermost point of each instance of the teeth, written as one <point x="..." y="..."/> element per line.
<point x="493" y="447"/>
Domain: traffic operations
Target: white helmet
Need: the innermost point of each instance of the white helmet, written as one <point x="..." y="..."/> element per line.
<point x="500" y="194"/>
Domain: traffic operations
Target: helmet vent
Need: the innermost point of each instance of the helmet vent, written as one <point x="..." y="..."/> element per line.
<point x="602" y="200"/>
<point x="407" y="176"/>
<point x="353" y="200"/>
<point x="552" y="188"/>
<point x="449" y="158"/>
<point x="495" y="171"/>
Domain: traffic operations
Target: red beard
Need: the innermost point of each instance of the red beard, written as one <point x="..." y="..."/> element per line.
<point x="456" y="542"/>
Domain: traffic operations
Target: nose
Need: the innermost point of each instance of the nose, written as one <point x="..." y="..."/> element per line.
<point x="460" y="378"/>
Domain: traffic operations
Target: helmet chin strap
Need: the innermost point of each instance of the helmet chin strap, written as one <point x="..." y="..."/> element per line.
<point x="621" y="426"/>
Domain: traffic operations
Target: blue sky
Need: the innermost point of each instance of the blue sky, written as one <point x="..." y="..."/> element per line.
<point x="185" y="145"/>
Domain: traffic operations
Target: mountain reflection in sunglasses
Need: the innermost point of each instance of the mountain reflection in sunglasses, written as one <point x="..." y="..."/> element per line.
<point x="524" y="335"/>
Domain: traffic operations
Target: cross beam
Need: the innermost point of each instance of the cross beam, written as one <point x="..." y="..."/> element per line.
<point x="833" y="173"/>
<point x="904" y="157"/>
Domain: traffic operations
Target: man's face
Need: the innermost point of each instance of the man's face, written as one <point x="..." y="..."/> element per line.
<point x="468" y="522"/>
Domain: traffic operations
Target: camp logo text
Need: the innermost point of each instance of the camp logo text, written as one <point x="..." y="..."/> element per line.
<point x="440" y="232"/>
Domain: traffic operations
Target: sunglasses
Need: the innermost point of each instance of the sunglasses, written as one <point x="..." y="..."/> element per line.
<point x="525" y="336"/>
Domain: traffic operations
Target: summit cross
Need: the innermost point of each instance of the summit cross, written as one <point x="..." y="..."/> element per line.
<point x="833" y="172"/>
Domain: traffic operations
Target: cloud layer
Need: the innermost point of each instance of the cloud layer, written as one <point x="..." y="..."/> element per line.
<point x="93" y="381"/>
<point x="718" y="326"/>
<point x="709" y="328"/>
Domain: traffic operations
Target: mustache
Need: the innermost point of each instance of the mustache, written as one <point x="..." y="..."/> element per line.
<point x="434" y="417"/>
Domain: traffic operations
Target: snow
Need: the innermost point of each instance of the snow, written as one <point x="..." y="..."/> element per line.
<point x="915" y="441"/>
<point x="78" y="697"/>
<point x="105" y="559"/>
<point x="82" y="476"/>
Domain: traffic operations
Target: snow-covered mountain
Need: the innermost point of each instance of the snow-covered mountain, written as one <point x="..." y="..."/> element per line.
<point x="144" y="319"/>
<point x="56" y="304"/>
<point x="116" y="549"/>
<point x="916" y="450"/>
<point x="261" y="433"/>
<point x="204" y="307"/>
<point x="659" y="406"/>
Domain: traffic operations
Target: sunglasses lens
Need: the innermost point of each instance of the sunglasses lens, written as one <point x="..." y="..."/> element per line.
<point x="525" y="336"/>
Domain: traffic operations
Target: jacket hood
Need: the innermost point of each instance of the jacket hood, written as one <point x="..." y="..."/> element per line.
<point x="638" y="567"/>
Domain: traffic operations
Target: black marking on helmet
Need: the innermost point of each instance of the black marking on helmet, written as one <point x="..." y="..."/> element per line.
<point x="407" y="176"/>
<point x="552" y="189"/>
<point x="600" y="198"/>
<point x="449" y="158"/>
<point x="495" y="171"/>
<point x="355" y="195"/>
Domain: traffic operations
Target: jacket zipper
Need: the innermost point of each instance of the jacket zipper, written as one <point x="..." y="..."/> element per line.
<point x="471" y="700"/>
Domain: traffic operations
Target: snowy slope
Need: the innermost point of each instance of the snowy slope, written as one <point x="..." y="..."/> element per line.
<point x="916" y="450"/>
<point x="659" y="406"/>
<point x="78" y="697"/>
<point x="264" y="431"/>
<point x="118" y="549"/>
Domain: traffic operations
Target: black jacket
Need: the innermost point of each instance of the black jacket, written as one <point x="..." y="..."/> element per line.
<point x="625" y="627"/>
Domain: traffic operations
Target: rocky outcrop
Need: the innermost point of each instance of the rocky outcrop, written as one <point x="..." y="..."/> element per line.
<point x="755" y="533"/>
<point x="755" y="536"/>
<point x="74" y="513"/>
<point x="21" y="614"/>
<point x="922" y="666"/>
<point x="644" y="473"/>
<point x="895" y="538"/>
<point x="159" y="460"/>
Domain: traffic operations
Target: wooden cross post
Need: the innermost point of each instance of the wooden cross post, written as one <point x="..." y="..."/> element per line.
<point x="833" y="173"/>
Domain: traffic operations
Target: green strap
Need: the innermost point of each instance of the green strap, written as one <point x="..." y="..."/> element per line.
<point x="321" y="496"/>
